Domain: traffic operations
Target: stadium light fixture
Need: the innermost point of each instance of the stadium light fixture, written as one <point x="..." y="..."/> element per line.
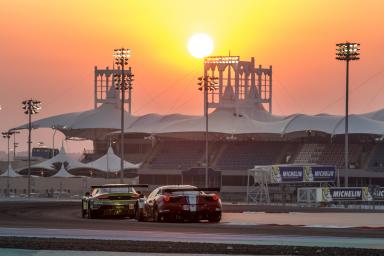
<point x="122" y="82"/>
<point x="347" y="52"/>
<point x="30" y="107"/>
<point x="206" y="84"/>
<point x="222" y="59"/>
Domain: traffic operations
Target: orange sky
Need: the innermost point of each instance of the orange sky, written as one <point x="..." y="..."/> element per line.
<point x="49" y="49"/>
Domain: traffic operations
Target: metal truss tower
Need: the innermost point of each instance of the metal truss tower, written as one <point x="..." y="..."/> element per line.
<point x="104" y="88"/>
<point x="241" y="85"/>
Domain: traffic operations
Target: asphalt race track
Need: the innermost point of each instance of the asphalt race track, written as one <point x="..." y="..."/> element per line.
<point x="62" y="220"/>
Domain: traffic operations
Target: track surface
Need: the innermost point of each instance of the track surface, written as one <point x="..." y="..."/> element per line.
<point x="66" y="215"/>
<point x="57" y="225"/>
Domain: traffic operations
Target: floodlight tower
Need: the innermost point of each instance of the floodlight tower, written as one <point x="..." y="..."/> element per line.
<point x="7" y="135"/>
<point x="30" y="107"/>
<point x="206" y="84"/>
<point x="347" y="52"/>
<point x="15" y="144"/>
<point x="122" y="82"/>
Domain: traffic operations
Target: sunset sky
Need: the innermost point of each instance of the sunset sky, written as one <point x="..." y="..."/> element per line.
<point x="49" y="50"/>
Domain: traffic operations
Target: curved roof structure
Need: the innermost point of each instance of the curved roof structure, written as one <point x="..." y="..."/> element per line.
<point x="375" y="115"/>
<point x="97" y="123"/>
<point x="220" y="121"/>
<point x="91" y="124"/>
<point x="150" y="123"/>
<point x="227" y="121"/>
<point x="59" y="121"/>
<point x="103" y="117"/>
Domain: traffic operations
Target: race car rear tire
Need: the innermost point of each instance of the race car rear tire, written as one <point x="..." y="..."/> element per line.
<point x="214" y="218"/>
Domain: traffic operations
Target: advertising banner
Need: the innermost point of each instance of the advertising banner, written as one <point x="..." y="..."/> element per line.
<point x="321" y="174"/>
<point x="297" y="174"/>
<point x="377" y="193"/>
<point x="346" y="194"/>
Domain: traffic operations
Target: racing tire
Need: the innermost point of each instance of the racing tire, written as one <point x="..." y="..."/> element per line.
<point x="214" y="218"/>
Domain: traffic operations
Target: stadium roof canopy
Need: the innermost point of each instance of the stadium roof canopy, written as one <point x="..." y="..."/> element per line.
<point x="91" y="124"/>
<point x="227" y="121"/>
<point x="97" y="123"/>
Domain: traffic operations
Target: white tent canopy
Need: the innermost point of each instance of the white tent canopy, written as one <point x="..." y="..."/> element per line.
<point x="62" y="173"/>
<point x="61" y="157"/>
<point x="110" y="162"/>
<point x="10" y="172"/>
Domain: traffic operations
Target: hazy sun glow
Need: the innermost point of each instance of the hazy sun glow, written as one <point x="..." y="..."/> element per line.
<point x="200" y="45"/>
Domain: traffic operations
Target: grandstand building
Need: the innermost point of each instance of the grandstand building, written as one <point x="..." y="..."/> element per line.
<point x="243" y="133"/>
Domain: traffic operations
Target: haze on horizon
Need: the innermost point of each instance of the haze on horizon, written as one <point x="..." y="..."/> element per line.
<point x="49" y="50"/>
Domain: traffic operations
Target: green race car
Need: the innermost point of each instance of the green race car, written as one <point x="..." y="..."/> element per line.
<point x="110" y="200"/>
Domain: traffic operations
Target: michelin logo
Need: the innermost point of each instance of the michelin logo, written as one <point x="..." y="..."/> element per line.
<point x="346" y="194"/>
<point x="292" y="173"/>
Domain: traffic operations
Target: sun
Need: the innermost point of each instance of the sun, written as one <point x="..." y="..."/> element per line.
<point x="200" y="45"/>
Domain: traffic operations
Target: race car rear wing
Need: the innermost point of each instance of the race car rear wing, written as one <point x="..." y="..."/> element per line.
<point x="169" y="190"/>
<point x="120" y="186"/>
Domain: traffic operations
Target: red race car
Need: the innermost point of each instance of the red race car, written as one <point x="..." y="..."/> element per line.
<point x="180" y="203"/>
